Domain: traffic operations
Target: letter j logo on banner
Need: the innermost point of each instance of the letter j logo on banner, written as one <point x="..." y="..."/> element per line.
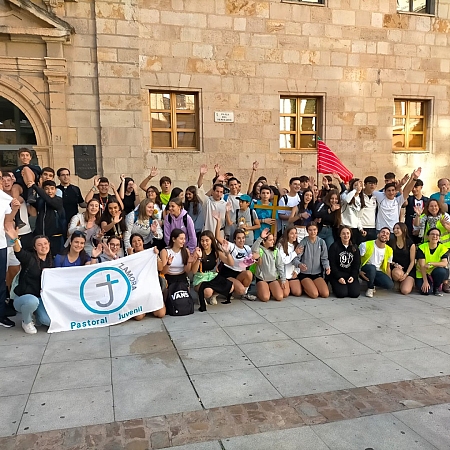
<point x="105" y="290"/>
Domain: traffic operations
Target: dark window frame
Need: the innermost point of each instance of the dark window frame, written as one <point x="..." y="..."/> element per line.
<point x="430" y="8"/>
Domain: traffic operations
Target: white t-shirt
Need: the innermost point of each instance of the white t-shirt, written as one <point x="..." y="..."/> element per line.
<point x="368" y="213"/>
<point x="209" y="206"/>
<point x="388" y="210"/>
<point x="238" y="255"/>
<point x="377" y="256"/>
<point x="287" y="260"/>
<point x="291" y="202"/>
<point x="5" y="208"/>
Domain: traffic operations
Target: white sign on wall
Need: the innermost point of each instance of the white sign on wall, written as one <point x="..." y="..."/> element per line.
<point x="224" y="116"/>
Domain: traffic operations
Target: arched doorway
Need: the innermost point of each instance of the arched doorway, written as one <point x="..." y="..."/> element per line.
<point x="30" y="108"/>
<point x="16" y="131"/>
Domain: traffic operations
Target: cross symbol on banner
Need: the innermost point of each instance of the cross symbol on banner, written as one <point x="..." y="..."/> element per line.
<point x="274" y="208"/>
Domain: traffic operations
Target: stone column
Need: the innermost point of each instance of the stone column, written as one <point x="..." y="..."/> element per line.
<point x="119" y="93"/>
<point x="56" y="76"/>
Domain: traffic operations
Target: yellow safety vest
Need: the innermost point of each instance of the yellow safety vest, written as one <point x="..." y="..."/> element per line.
<point x="445" y="235"/>
<point x="440" y="251"/>
<point x="388" y="252"/>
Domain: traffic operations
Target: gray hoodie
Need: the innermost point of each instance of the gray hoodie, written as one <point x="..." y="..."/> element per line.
<point x="315" y="256"/>
<point x="270" y="268"/>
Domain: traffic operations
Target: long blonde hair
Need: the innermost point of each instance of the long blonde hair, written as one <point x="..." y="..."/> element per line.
<point x="142" y="211"/>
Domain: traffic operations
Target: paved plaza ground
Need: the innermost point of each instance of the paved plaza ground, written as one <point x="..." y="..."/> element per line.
<point x="299" y="374"/>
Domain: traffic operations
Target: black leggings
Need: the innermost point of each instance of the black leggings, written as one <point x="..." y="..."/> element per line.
<point x="218" y="284"/>
<point x="345" y="290"/>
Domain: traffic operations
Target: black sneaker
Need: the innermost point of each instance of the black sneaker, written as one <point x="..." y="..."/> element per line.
<point x="7" y="323"/>
<point x="10" y="311"/>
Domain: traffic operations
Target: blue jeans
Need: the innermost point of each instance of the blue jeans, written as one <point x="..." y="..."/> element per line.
<point x="376" y="277"/>
<point x="27" y="305"/>
<point x="435" y="279"/>
<point x="326" y="233"/>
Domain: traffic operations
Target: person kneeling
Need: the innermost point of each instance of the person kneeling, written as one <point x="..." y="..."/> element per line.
<point x="432" y="260"/>
<point x="137" y="244"/>
<point x="268" y="268"/>
<point x="345" y="261"/>
<point x="376" y="259"/>
<point x="313" y="262"/>
<point x="28" y="291"/>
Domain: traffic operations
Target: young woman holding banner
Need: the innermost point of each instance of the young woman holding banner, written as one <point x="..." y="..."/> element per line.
<point x="28" y="291"/>
<point x="137" y="244"/>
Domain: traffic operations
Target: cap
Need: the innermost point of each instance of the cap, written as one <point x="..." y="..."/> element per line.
<point x="245" y="198"/>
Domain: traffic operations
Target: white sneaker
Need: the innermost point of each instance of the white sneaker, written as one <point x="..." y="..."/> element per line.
<point x="249" y="297"/>
<point x="213" y="300"/>
<point x="369" y="293"/>
<point x="29" y="328"/>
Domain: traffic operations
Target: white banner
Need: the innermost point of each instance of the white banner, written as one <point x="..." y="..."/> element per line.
<point x="100" y="295"/>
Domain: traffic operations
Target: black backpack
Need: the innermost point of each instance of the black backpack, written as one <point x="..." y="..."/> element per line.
<point x="179" y="302"/>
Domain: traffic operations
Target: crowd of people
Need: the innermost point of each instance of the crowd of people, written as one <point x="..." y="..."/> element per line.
<point x="220" y="237"/>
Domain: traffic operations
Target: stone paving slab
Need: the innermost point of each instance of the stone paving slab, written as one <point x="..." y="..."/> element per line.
<point x="76" y="349"/>
<point x="297" y="329"/>
<point x="273" y="353"/>
<point x="215" y="359"/>
<point x="386" y="339"/>
<point x="147" y="367"/>
<point x="252" y="333"/>
<point x="425" y="362"/>
<point x="233" y="387"/>
<point x="17" y="380"/>
<point x="432" y="423"/>
<point x="67" y="409"/>
<point x="381" y="432"/>
<point x="138" y="344"/>
<point x="293" y="439"/>
<point x="304" y="378"/>
<point x="367" y="370"/>
<point x="67" y="375"/>
<point x="152" y="397"/>
<point x="333" y="346"/>
<point x="23" y="354"/>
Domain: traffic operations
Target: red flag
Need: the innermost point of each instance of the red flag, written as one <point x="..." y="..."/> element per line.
<point x="328" y="162"/>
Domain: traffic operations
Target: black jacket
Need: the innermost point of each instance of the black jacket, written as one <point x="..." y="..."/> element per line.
<point x="71" y="199"/>
<point x="51" y="218"/>
<point x="30" y="273"/>
<point x="344" y="262"/>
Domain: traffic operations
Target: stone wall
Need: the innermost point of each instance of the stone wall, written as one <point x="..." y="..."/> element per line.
<point x="241" y="55"/>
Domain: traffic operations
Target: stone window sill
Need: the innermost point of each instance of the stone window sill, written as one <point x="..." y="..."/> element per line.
<point x="174" y="150"/>
<point x="297" y="2"/>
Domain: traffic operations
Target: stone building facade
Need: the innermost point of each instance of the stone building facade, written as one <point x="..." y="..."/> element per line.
<point x="84" y="72"/>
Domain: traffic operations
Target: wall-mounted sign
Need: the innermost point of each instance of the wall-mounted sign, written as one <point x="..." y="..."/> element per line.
<point x="85" y="161"/>
<point x="224" y="116"/>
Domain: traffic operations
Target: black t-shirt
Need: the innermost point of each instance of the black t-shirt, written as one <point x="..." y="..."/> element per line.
<point x="401" y="255"/>
<point x="411" y="202"/>
<point x="209" y="262"/>
<point x="128" y="203"/>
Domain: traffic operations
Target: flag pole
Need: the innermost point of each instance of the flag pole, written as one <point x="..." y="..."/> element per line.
<point x="317" y="166"/>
